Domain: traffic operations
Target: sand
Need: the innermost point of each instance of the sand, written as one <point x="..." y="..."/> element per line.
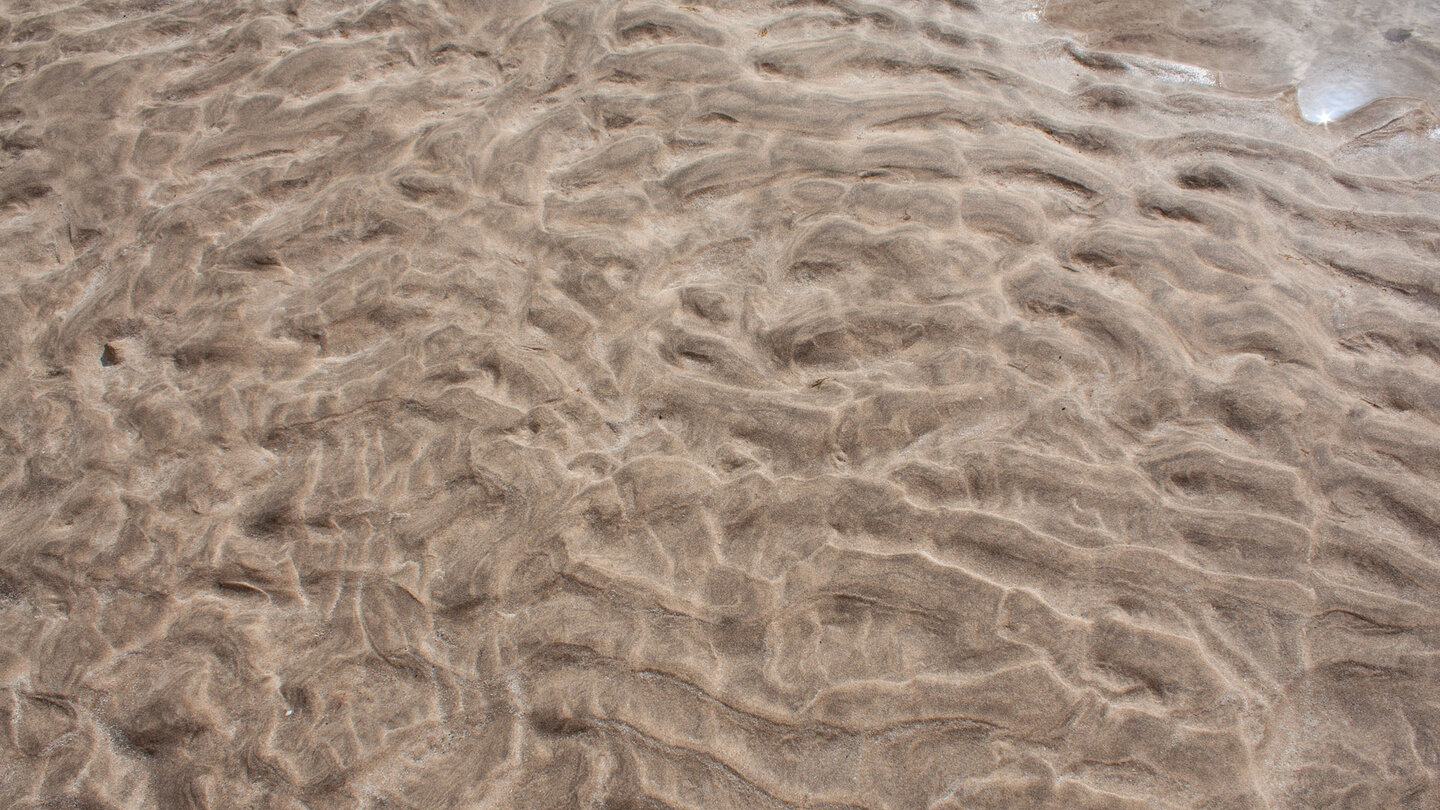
<point x="512" y="404"/>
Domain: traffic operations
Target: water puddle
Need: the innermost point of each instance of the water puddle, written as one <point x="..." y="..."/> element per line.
<point x="1338" y="56"/>
<point x="1343" y="80"/>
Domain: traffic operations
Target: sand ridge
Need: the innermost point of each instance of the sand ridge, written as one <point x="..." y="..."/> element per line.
<point x="727" y="405"/>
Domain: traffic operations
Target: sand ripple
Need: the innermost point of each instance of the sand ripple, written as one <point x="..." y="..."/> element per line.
<point x="740" y="405"/>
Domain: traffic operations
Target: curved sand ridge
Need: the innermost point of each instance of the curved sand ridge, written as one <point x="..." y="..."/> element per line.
<point x="737" y="405"/>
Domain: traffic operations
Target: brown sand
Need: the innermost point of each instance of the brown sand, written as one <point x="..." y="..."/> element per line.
<point x="513" y="404"/>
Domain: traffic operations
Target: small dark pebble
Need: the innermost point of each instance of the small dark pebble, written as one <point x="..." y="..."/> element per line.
<point x="108" y="356"/>
<point x="1398" y="34"/>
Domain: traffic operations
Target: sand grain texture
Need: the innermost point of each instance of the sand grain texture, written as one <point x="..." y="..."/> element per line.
<point x="730" y="405"/>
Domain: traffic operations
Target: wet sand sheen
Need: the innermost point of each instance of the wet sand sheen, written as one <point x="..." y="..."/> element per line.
<point x="730" y="405"/>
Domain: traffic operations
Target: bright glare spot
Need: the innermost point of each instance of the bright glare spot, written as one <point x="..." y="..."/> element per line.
<point x="1331" y="94"/>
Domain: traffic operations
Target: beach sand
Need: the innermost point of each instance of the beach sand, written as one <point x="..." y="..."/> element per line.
<point x="517" y="404"/>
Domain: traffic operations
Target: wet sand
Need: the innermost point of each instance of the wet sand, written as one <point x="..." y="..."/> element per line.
<point x="734" y="405"/>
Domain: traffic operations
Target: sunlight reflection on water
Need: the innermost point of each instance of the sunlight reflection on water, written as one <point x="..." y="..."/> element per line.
<point x="1330" y="97"/>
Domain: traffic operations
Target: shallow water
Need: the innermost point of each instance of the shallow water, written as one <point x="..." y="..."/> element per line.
<point x="728" y="405"/>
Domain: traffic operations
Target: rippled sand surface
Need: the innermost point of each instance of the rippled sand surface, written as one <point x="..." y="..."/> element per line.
<point x="514" y="404"/>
